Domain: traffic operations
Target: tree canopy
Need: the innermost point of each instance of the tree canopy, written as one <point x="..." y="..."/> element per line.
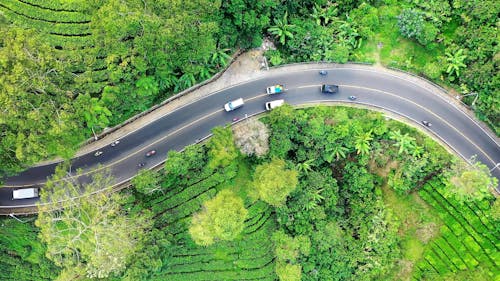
<point x="273" y="182"/>
<point x="221" y="219"/>
<point x="86" y="231"/>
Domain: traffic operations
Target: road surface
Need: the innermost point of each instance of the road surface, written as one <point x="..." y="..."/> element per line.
<point x="186" y="125"/>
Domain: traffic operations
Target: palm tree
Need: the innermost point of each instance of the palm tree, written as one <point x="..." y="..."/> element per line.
<point x="337" y="152"/>
<point x="281" y="29"/>
<point x="455" y="62"/>
<point x="312" y="198"/>
<point x="362" y="142"/>
<point x="305" y="166"/>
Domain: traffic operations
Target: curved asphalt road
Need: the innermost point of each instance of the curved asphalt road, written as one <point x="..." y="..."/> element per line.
<point x="194" y="121"/>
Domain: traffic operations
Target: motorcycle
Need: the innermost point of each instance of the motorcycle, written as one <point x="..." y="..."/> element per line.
<point x="323" y="72"/>
<point x="352" y="97"/>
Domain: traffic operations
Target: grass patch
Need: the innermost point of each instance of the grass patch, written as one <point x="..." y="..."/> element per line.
<point x="417" y="225"/>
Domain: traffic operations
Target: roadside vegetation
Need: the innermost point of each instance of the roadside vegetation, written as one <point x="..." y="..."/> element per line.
<point x="334" y="180"/>
<point x="72" y="69"/>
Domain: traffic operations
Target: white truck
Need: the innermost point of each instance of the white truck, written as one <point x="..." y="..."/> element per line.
<point x="273" y="104"/>
<point x="232" y="105"/>
<point x="25" y="193"/>
<point x="275" y="89"/>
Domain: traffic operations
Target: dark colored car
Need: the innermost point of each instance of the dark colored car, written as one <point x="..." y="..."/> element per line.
<point x="427" y="123"/>
<point x="329" y="89"/>
<point x="150" y="153"/>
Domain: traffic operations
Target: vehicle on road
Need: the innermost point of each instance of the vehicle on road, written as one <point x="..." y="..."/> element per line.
<point x="353" y="97"/>
<point x="97" y="153"/>
<point x="25" y="193"/>
<point x="232" y="105"/>
<point x="115" y="143"/>
<point x="426" y="123"/>
<point x="236" y="119"/>
<point x="276" y="89"/>
<point x="329" y="89"/>
<point x="323" y="72"/>
<point x="142" y="164"/>
<point x="273" y="104"/>
<point x="150" y="153"/>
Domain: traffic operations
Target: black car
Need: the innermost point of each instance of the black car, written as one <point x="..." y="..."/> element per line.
<point x="426" y="123"/>
<point x="329" y="89"/>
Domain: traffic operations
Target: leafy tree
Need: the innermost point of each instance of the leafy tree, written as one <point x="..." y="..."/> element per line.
<point x="410" y="23"/>
<point x="273" y="183"/>
<point x="469" y="182"/>
<point x="93" y="111"/>
<point x="221" y="219"/>
<point x="455" y="62"/>
<point x="86" y="231"/>
<point x="38" y="119"/>
<point x="242" y="22"/>
<point x="282" y="29"/>
<point x="287" y="252"/>
<point x="146" y="182"/>
<point x="252" y="137"/>
<point x="222" y="150"/>
<point x="288" y="272"/>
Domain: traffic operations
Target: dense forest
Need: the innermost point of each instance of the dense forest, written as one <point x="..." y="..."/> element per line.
<point x="326" y="193"/>
<point x="72" y="68"/>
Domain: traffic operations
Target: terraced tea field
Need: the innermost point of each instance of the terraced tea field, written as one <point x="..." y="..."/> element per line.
<point x="67" y="28"/>
<point x="250" y="257"/>
<point x="468" y="237"/>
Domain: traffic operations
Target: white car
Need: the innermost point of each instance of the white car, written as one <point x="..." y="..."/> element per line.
<point x="273" y="104"/>
<point x="232" y="105"/>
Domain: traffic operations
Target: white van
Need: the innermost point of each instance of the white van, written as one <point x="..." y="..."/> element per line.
<point x="232" y="105"/>
<point x="25" y="193"/>
<point x="273" y="104"/>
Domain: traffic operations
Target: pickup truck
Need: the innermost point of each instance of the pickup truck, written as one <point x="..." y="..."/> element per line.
<point x="275" y="89"/>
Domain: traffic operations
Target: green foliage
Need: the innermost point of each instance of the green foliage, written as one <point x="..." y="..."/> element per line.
<point x="469" y="182"/>
<point x="288" y="272"/>
<point x="221" y="219"/>
<point x="273" y="182"/>
<point x="146" y="182"/>
<point x="282" y="29"/>
<point x="412" y="24"/>
<point x="222" y="150"/>
<point x="242" y="22"/>
<point x="38" y="119"/>
<point x="455" y="62"/>
<point x="22" y="255"/>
